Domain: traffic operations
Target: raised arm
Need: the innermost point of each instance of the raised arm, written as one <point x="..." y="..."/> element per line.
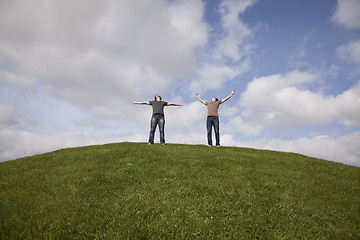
<point x="174" y="104"/>
<point x="227" y="98"/>
<point x="147" y="103"/>
<point x="202" y="101"/>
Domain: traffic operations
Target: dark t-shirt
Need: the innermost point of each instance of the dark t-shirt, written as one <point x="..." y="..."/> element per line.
<point x="158" y="106"/>
<point x="213" y="108"/>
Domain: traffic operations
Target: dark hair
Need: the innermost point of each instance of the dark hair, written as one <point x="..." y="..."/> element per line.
<point x="217" y="99"/>
<point x="159" y="96"/>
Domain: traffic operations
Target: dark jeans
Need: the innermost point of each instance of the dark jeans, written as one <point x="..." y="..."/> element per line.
<point x="157" y="120"/>
<point x="213" y="122"/>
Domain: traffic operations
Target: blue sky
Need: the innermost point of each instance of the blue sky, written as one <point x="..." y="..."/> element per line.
<point x="69" y="71"/>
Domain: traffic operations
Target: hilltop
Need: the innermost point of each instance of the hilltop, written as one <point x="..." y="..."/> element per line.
<point x="140" y="191"/>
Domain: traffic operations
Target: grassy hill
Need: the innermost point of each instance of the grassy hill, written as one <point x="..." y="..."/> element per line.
<point x="140" y="191"/>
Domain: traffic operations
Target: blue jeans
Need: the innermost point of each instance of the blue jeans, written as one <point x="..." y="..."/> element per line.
<point x="157" y="120"/>
<point x="213" y="122"/>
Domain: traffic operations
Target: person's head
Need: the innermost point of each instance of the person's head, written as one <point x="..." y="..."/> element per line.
<point x="214" y="99"/>
<point x="158" y="97"/>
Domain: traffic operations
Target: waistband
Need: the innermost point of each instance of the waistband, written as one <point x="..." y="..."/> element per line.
<point x="158" y="114"/>
<point x="212" y="117"/>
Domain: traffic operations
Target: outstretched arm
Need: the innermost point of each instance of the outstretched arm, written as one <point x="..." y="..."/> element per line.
<point x="174" y="104"/>
<point x="202" y="101"/>
<point x="227" y="98"/>
<point x="134" y="102"/>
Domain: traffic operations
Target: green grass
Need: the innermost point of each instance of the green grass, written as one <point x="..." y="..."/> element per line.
<point x="140" y="191"/>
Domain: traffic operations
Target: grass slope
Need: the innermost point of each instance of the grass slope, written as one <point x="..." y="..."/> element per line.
<point x="140" y="191"/>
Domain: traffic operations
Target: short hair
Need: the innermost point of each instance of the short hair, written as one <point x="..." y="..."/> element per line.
<point x="217" y="99"/>
<point x="159" y="96"/>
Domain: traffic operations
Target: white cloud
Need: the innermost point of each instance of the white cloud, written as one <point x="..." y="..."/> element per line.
<point x="189" y="138"/>
<point x="235" y="30"/>
<point x="184" y="118"/>
<point x="270" y="99"/>
<point x="214" y="73"/>
<point x="15" y="144"/>
<point x="237" y="124"/>
<point x="228" y="111"/>
<point x="152" y="33"/>
<point x="284" y="100"/>
<point x="213" y="76"/>
<point x="350" y="52"/>
<point x="344" y="149"/>
<point x="347" y="13"/>
<point x="101" y="54"/>
<point x="95" y="57"/>
<point x="346" y="106"/>
<point x="6" y="116"/>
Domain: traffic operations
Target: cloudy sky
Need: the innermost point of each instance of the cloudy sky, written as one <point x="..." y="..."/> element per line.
<point x="69" y="71"/>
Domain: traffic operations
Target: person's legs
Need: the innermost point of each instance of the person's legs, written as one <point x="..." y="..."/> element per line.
<point x="209" y="131"/>
<point x="162" y="128"/>
<point x="217" y="132"/>
<point x="153" y="124"/>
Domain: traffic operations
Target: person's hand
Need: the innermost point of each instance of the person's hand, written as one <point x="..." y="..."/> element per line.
<point x="133" y="102"/>
<point x="181" y="105"/>
<point x="197" y="95"/>
<point x="233" y="91"/>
